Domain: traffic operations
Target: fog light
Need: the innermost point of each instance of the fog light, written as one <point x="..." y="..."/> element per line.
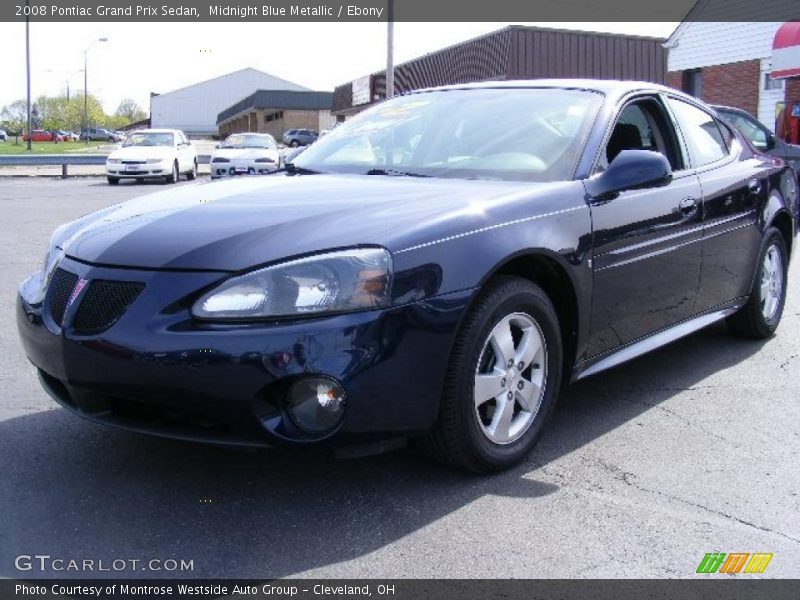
<point x="316" y="404"/>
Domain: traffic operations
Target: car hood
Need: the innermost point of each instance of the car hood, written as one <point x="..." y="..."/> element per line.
<point x="238" y="224"/>
<point x="242" y="153"/>
<point x="142" y="152"/>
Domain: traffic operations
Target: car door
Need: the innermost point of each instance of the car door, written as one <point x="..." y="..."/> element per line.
<point x="647" y="251"/>
<point x="186" y="152"/>
<point x="732" y="188"/>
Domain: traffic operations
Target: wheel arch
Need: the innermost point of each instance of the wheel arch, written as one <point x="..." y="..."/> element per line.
<point x="782" y="221"/>
<point x="779" y="208"/>
<point x="547" y="270"/>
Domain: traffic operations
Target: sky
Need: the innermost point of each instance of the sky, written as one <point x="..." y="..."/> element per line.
<point x="140" y="58"/>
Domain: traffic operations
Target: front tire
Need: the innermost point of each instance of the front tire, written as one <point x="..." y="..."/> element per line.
<point x="503" y="379"/>
<point x="760" y="317"/>
<point x="113" y="180"/>
<point x="192" y="175"/>
<point x="175" y="175"/>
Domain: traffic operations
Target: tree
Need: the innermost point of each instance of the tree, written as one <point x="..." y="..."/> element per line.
<point x="36" y="117"/>
<point x="129" y="110"/>
<point x="14" y="117"/>
<point x="55" y="112"/>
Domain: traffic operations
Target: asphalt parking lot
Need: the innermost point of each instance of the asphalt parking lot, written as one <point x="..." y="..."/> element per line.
<point x="691" y="449"/>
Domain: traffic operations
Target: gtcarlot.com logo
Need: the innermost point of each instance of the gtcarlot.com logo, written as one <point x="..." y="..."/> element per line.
<point x="48" y="563"/>
<point x="734" y="562"/>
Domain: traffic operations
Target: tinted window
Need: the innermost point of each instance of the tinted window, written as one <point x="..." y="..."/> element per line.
<point x="518" y="134"/>
<point x="701" y="133"/>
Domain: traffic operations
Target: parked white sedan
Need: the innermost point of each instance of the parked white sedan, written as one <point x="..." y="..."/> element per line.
<point x="245" y="154"/>
<point x="149" y="153"/>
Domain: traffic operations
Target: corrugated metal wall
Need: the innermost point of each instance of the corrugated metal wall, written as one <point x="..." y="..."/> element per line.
<point x="518" y="52"/>
<point x="481" y="59"/>
<point x="543" y="53"/>
<point x="484" y="58"/>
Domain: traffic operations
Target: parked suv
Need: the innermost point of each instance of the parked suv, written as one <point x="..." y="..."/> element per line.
<point x="300" y="137"/>
<point x="96" y="134"/>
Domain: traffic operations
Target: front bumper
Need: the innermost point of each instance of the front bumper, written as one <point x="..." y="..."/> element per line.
<point x="241" y="167"/>
<point x="159" y="169"/>
<point x="159" y="371"/>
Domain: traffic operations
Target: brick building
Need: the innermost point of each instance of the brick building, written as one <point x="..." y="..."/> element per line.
<point x="729" y="62"/>
<point x="274" y="112"/>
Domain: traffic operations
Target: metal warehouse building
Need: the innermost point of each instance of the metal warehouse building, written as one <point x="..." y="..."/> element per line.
<point x="274" y="112"/>
<point x="194" y="108"/>
<point x="515" y="52"/>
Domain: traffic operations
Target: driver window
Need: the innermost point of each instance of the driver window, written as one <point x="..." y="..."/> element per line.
<point x="640" y="126"/>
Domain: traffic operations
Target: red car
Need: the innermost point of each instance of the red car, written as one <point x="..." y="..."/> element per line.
<point x="41" y="135"/>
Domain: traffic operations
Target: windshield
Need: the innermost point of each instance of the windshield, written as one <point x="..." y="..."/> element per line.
<point x="149" y="139"/>
<point x="515" y="134"/>
<point x="240" y="140"/>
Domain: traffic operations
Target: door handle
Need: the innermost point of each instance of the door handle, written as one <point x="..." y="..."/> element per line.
<point x="687" y="206"/>
<point x="754" y="186"/>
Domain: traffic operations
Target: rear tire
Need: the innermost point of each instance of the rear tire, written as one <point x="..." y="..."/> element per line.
<point x="113" y="180"/>
<point x="477" y="430"/>
<point x="760" y="317"/>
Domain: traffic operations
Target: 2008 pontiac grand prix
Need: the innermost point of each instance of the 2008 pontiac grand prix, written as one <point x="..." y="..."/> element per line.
<point x="435" y="268"/>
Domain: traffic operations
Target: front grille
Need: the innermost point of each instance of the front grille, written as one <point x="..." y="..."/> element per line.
<point x="134" y="162"/>
<point x="59" y="290"/>
<point x="104" y="303"/>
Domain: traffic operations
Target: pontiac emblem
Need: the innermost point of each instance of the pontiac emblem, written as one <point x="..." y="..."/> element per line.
<point x="77" y="290"/>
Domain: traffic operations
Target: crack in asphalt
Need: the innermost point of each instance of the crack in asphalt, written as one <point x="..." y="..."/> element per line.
<point x="630" y="480"/>
<point x="787" y="361"/>
<point x="684" y="420"/>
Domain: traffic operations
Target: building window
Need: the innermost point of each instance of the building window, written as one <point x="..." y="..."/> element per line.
<point x="769" y="83"/>
<point x="692" y="81"/>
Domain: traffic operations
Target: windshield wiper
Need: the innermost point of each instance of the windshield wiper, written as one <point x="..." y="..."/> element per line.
<point x="295" y="170"/>
<point x="394" y="173"/>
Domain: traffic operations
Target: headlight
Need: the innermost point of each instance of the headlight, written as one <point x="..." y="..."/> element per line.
<point x="345" y="280"/>
<point x="152" y="161"/>
<point x="113" y="161"/>
<point x="51" y="261"/>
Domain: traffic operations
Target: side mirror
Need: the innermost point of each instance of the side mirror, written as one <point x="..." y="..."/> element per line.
<point x="630" y="170"/>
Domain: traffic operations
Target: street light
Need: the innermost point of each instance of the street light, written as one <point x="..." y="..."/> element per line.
<point x="86" y="88"/>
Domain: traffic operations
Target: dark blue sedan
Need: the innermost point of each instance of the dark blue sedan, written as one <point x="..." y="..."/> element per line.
<point x="435" y="269"/>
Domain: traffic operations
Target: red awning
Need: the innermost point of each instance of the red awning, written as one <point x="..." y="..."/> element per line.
<point x="786" y="51"/>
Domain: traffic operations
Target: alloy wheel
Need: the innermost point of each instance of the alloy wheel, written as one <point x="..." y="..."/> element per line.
<point x="771" y="282"/>
<point x="510" y="378"/>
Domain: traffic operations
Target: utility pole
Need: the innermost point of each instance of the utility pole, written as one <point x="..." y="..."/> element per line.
<point x="390" y="50"/>
<point x="86" y="88"/>
<point x="85" y="131"/>
<point x="28" y="64"/>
